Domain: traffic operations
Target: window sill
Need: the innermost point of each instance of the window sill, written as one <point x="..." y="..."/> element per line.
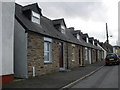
<point x="47" y="62"/>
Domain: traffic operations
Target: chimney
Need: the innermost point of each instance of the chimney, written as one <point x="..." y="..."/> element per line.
<point x="71" y="28"/>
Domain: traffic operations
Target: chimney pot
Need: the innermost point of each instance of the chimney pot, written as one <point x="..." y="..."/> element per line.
<point x="71" y="28"/>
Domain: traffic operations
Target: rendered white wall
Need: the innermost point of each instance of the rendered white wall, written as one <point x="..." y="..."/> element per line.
<point x="0" y="38"/>
<point x="20" y="51"/>
<point x="105" y="52"/>
<point x="118" y="42"/>
<point x="8" y="9"/>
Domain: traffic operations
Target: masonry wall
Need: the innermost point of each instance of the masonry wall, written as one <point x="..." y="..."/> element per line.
<point x="93" y="55"/>
<point x="73" y="63"/>
<point x="83" y="57"/>
<point x="35" y="55"/>
<point x="65" y="58"/>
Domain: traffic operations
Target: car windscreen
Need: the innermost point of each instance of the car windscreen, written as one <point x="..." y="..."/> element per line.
<point x="111" y="55"/>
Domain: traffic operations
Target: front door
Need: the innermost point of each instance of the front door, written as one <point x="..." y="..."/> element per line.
<point x="61" y="55"/>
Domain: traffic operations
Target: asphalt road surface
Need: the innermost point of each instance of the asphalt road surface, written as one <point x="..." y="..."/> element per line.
<point x="107" y="77"/>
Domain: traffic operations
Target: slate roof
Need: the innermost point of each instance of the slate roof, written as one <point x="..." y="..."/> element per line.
<point x="34" y="7"/>
<point x="58" y="22"/>
<point x="91" y="40"/>
<point x="108" y="47"/>
<point x="116" y="46"/>
<point x="82" y="41"/>
<point x="92" y="46"/>
<point x="102" y="45"/>
<point x="46" y="27"/>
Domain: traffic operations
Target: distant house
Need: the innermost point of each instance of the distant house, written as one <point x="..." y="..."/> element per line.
<point x="6" y="41"/>
<point x="108" y="47"/>
<point x="101" y="45"/>
<point x="116" y="49"/>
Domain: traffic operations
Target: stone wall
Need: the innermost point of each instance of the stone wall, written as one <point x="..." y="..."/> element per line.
<point x="93" y="55"/>
<point x="73" y="63"/>
<point x="35" y="55"/>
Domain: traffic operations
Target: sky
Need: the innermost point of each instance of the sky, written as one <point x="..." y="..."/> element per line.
<point x="89" y="16"/>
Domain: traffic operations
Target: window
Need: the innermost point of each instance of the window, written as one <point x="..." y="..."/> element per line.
<point x="93" y="42"/>
<point x="73" y="52"/>
<point x="35" y="17"/>
<point x="47" y="50"/>
<point x="87" y="40"/>
<point x="78" y="36"/>
<point x="62" y="29"/>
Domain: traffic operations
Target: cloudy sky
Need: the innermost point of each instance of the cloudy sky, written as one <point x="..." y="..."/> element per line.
<point x="89" y="16"/>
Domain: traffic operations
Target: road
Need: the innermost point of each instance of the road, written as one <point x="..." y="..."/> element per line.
<point x="107" y="77"/>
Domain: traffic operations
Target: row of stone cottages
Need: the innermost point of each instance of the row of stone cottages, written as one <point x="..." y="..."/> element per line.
<point x="43" y="46"/>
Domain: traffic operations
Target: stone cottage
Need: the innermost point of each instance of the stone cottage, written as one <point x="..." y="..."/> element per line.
<point x="42" y="45"/>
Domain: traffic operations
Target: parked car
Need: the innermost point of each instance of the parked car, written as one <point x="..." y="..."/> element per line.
<point x="119" y="58"/>
<point x="112" y="58"/>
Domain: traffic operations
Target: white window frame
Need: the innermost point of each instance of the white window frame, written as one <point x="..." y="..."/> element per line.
<point x="48" y="41"/>
<point x="35" y="17"/>
<point x="62" y="29"/>
<point x="93" y="42"/>
<point x="78" y="36"/>
<point x="87" y="40"/>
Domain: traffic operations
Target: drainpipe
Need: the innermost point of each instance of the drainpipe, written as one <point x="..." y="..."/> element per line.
<point x="33" y="71"/>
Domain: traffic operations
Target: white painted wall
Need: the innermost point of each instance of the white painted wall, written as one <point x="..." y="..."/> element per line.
<point x="20" y="52"/>
<point x="118" y="42"/>
<point x="0" y="38"/>
<point x="105" y="52"/>
<point x="8" y="9"/>
<point x="114" y="50"/>
<point x="118" y="37"/>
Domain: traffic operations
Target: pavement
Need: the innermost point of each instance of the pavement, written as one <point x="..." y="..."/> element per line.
<point x="57" y="79"/>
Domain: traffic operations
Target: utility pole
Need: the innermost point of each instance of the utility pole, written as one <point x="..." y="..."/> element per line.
<point x="107" y="33"/>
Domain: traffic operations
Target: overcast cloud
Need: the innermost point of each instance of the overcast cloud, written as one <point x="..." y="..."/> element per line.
<point x="84" y="10"/>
